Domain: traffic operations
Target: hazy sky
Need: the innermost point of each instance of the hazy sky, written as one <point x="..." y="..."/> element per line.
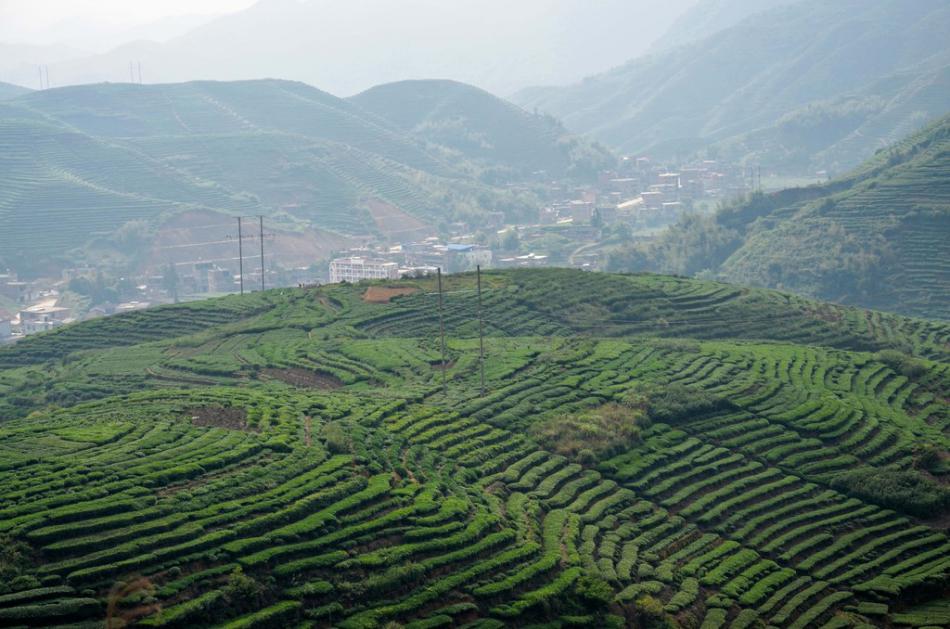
<point x="500" y="45"/>
<point x="82" y="21"/>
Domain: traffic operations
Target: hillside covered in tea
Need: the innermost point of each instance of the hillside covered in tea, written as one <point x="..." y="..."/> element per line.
<point x="647" y="450"/>
<point x="878" y="237"/>
<point x="78" y="163"/>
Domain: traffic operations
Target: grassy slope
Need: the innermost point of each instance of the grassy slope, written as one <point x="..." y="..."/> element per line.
<point x="811" y="85"/>
<point x="386" y="500"/>
<point x="876" y="238"/>
<point x="483" y="128"/>
<point x="255" y="147"/>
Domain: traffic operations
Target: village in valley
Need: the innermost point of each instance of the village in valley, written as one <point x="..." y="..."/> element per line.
<point x="576" y="226"/>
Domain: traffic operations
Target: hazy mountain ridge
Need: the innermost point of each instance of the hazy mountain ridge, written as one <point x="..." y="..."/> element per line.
<point x="711" y="16"/>
<point x="480" y="42"/>
<point x="879" y="237"/>
<point x="742" y="82"/>
<point x="85" y="160"/>
<point x="484" y="128"/>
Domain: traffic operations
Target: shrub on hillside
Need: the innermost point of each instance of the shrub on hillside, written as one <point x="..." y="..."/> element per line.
<point x="902" y="363"/>
<point x="676" y="402"/>
<point x="909" y="492"/>
<point x="597" y="433"/>
<point x="14" y="562"/>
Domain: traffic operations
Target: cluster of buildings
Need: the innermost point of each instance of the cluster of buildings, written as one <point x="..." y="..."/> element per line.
<point x="638" y="194"/>
<point x="643" y="195"/>
<point x="29" y="309"/>
<point x="409" y="260"/>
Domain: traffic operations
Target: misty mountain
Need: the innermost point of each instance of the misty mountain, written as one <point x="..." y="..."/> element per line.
<point x="878" y="237"/>
<point x="19" y="63"/>
<point x="348" y="47"/>
<point x="711" y="16"/>
<point x="484" y="128"/>
<point x="78" y="163"/>
<point x="805" y="86"/>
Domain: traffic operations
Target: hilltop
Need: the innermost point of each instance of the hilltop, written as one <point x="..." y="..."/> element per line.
<point x="878" y="237"/>
<point x="81" y="162"/>
<point x="804" y="86"/>
<point x="648" y="449"/>
<point x="484" y="128"/>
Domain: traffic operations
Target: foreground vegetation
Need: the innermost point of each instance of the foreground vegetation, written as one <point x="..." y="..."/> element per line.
<point x="290" y="458"/>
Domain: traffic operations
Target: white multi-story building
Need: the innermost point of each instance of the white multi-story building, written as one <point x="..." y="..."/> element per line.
<point x="356" y="269"/>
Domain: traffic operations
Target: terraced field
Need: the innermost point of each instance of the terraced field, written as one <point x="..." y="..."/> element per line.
<point x="876" y="237"/>
<point x="649" y="451"/>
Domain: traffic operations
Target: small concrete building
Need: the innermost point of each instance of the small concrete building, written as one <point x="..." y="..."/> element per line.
<point x="356" y="269"/>
<point x="42" y="318"/>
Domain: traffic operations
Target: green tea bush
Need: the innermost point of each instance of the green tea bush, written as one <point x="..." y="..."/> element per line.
<point x="906" y="491"/>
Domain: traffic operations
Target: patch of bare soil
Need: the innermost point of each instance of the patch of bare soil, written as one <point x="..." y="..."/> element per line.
<point x="304" y="378"/>
<point x="394" y="223"/>
<point x="219" y="417"/>
<point x="205" y="235"/>
<point x="385" y="294"/>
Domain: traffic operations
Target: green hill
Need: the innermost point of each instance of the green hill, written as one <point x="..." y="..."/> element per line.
<point x="648" y="449"/>
<point x="807" y="86"/>
<point x="484" y="128"/>
<point x="79" y="162"/>
<point x="878" y="238"/>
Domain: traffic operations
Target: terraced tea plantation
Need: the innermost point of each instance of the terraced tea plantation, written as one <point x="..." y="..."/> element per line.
<point x="647" y="451"/>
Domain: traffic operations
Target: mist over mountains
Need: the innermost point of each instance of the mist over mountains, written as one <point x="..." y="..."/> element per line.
<point x="345" y="48"/>
<point x="806" y="85"/>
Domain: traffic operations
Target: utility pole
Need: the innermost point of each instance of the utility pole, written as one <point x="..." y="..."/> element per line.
<point x="481" y="329"/>
<point x="442" y="331"/>
<point x="140" y="72"/>
<point x="47" y="77"/>
<point x="40" y="68"/>
<point x="241" y="254"/>
<point x="261" y="217"/>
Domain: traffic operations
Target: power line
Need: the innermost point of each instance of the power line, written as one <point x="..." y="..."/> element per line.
<point x="261" y="217"/>
<point x="240" y="255"/>
<point x="481" y="330"/>
<point x="442" y="331"/>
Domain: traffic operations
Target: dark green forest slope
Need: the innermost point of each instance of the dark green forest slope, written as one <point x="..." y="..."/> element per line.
<point x="484" y="128"/>
<point x="82" y="161"/>
<point x="878" y="238"/>
<point x="648" y="451"/>
<point x="807" y="86"/>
